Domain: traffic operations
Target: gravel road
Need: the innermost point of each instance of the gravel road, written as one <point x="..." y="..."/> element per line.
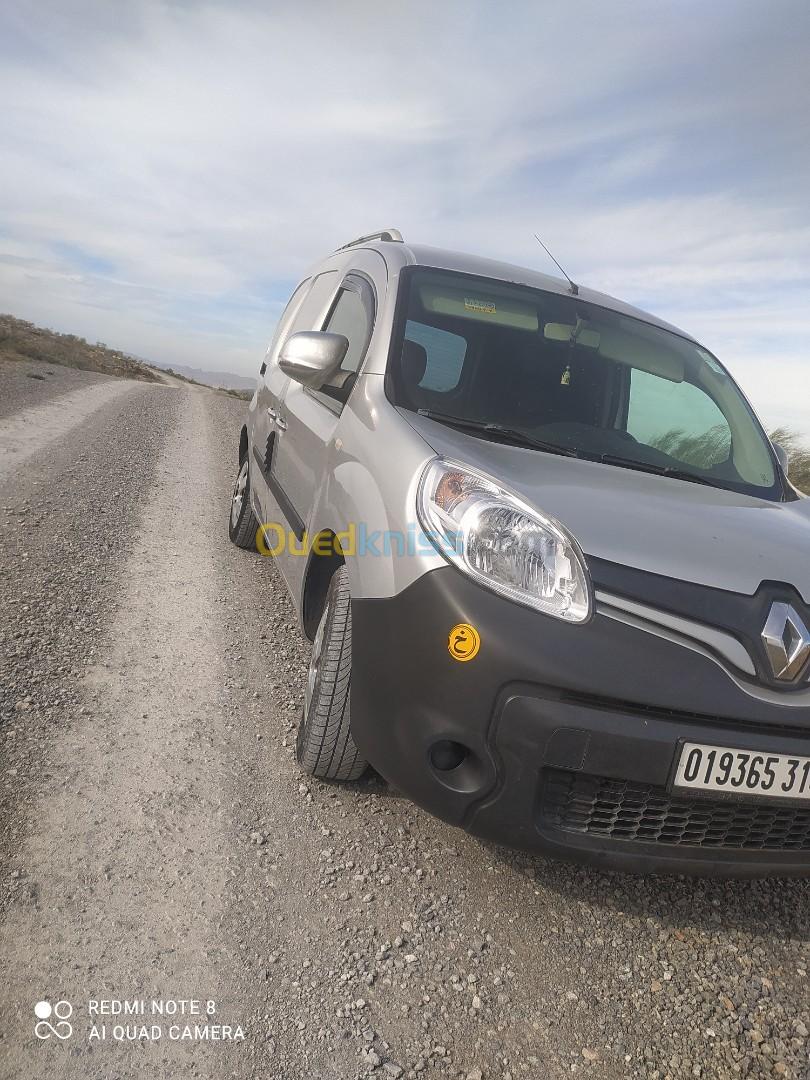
<point x="158" y="843"/>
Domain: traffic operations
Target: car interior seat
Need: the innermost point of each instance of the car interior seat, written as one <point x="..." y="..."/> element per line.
<point x="412" y="368"/>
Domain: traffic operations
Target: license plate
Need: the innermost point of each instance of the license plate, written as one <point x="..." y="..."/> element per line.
<point x="743" y="772"/>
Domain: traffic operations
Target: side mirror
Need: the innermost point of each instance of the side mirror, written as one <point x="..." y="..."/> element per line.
<point x="782" y="456"/>
<point x="312" y="357"/>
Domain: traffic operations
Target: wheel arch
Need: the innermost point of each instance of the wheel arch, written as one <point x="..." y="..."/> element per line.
<point x="319" y="572"/>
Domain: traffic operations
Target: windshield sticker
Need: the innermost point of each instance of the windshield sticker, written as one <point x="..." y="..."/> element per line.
<point x="485" y="307"/>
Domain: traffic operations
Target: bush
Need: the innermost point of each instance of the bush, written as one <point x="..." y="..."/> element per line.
<point x="712" y="447"/>
<point x="21" y="340"/>
<point x="798" y="457"/>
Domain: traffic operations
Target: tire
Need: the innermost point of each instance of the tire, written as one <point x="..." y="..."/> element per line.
<point x="242" y="522"/>
<point x="325" y="747"/>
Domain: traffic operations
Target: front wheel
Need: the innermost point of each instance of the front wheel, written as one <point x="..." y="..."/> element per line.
<point x="242" y="523"/>
<point x="325" y="747"/>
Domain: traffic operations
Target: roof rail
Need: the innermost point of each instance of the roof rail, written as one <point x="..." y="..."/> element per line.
<point x="385" y="234"/>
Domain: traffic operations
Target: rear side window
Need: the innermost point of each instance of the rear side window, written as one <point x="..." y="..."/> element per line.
<point x="309" y="314"/>
<point x="445" y="355"/>
<point x="285" y="321"/>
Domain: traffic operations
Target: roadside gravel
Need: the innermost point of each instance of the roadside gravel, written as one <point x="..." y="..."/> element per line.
<point x="28" y="383"/>
<point x="65" y="520"/>
<point x="349" y="933"/>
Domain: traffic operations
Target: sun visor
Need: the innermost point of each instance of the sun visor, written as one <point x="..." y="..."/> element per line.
<point x="633" y="350"/>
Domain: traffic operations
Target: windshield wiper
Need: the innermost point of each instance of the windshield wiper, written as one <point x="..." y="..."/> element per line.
<point x="521" y="438"/>
<point x="648" y="467"/>
<point x="500" y="432"/>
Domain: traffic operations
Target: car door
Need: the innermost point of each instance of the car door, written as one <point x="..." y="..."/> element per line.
<point x="304" y="312"/>
<point x="309" y="417"/>
<point x="272" y="383"/>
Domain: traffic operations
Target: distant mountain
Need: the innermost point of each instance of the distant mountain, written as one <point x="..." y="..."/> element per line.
<point x="226" y="379"/>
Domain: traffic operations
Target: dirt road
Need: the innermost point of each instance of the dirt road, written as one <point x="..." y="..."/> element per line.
<point x="159" y="844"/>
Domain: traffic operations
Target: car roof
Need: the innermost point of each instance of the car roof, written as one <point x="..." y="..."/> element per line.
<point x="404" y="254"/>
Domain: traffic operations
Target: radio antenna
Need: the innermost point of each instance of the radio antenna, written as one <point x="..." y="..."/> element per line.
<point x="574" y="290"/>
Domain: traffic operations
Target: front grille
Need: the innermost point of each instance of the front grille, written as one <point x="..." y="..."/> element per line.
<point x="623" y="810"/>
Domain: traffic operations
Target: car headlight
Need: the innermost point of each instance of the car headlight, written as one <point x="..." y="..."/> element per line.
<point x="502" y="542"/>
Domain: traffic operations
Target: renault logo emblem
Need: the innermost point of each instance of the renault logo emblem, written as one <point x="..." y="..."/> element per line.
<point x="787" y="641"/>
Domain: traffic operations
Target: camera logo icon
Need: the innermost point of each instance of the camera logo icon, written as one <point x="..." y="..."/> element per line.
<point x="61" y="1011"/>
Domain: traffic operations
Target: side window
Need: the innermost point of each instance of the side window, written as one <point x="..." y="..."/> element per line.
<point x="445" y="355"/>
<point x="309" y="313"/>
<point x="678" y="418"/>
<point x="287" y="316"/>
<point x="352" y="315"/>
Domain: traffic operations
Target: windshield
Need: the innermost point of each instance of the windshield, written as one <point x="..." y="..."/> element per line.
<point x="576" y="376"/>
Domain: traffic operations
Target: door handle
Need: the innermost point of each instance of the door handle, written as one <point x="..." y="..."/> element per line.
<point x="281" y="424"/>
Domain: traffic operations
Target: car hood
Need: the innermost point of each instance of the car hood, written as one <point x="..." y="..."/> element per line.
<point x="666" y="526"/>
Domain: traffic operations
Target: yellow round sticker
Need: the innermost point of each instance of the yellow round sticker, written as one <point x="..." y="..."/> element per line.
<point x="464" y="642"/>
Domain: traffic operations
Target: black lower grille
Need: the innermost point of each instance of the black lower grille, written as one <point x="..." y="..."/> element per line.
<point x="623" y="810"/>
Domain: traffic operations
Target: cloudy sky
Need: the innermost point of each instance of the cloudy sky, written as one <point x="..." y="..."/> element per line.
<point x="169" y="169"/>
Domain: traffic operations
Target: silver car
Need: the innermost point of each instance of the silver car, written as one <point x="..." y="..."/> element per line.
<point x="555" y="576"/>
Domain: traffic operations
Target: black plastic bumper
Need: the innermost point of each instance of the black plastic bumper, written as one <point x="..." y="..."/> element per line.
<point x="570" y="734"/>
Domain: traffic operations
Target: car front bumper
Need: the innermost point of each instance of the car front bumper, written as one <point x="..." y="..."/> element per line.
<point x="570" y="733"/>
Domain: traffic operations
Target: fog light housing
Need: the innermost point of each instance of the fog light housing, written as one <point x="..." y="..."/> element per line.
<point x="447" y="755"/>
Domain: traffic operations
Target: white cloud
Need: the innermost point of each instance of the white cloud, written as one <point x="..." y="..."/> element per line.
<point x="207" y="153"/>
